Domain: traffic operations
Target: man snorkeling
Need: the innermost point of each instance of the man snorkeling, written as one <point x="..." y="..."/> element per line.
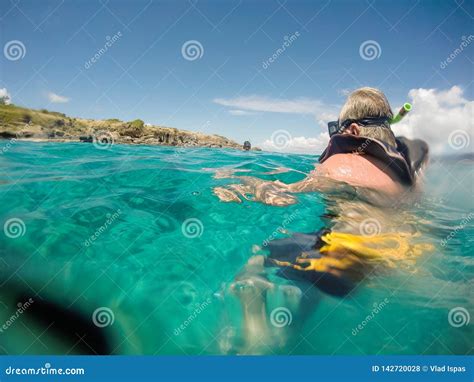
<point x="362" y="152"/>
<point x="366" y="173"/>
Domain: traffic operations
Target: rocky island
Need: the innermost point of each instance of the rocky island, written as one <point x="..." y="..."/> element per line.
<point x="23" y="123"/>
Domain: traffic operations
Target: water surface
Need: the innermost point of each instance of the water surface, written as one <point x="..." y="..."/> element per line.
<point x="137" y="230"/>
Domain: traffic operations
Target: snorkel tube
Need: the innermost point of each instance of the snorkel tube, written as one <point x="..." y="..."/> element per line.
<point x="403" y="111"/>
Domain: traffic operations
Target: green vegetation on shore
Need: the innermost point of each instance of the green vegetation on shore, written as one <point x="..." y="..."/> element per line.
<point x="23" y="123"/>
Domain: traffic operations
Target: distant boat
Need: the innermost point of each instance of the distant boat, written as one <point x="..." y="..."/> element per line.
<point x="247" y="146"/>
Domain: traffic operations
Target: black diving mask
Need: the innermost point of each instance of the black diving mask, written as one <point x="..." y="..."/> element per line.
<point x="336" y="127"/>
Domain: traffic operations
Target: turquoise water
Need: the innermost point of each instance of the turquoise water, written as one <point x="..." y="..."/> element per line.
<point x="110" y="228"/>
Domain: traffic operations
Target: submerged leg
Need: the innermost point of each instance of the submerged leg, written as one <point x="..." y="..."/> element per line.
<point x="292" y="304"/>
<point x="251" y="287"/>
<point x="295" y="303"/>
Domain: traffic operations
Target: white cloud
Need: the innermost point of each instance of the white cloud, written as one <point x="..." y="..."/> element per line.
<point x="275" y="105"/>
<point x="285" y="142"/>
<point x="5" y="97"/>
<point x="300" y="145"/>
<point x="323" y="118"/>
<point x="56" y="98"/>
<point x="436" y="114"/>
<point x="241" y="112"/>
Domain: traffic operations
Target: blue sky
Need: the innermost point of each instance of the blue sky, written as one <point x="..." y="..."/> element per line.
<point x="227" y="89"/>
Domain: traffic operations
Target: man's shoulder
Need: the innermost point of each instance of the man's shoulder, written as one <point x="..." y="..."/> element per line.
<point x="361" y="171"/>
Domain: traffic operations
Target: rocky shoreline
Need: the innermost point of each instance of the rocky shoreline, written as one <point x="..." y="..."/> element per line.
<point x="43" y="125"/>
